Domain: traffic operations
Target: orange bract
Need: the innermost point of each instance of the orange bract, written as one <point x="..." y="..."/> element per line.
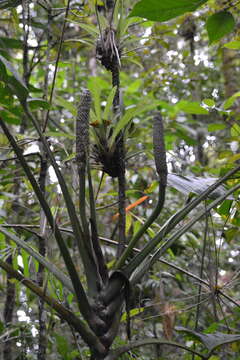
<point x="131" y="206"/>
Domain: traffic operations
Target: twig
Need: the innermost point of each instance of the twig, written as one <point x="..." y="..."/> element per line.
<point x="56" y="64"/>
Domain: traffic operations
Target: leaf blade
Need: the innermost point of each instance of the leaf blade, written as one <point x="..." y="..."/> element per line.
<point x="219" y="24"/>
<point x="164" y="10"/>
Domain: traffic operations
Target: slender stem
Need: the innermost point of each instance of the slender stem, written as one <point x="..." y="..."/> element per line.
<point x="201" y="275"/>
<point x="86" y="333"/>
<point x="56" y="64"/>
<point x="42" y="342"/>
<point x="121" y="199"/>
<point x="78" y="233"/>
<point x="83" y="303"/>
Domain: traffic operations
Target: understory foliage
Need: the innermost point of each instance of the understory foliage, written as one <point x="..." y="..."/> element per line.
<point x="119" y="168"/>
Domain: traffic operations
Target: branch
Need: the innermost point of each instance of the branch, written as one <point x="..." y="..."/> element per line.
<point x="29" y="228"/>
<point x="115" y="354"/>
<point x="77" y="230"/>
<point x="82" y="300"/>
<point x="56" y="64"/>
<point x="41" y="259"/>
<point x="85" y="332"/>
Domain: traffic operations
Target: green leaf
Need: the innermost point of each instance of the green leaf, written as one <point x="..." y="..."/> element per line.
<point x="216" y="127"/>
<point x="235" y="45"/>
<point x="209" y="102"/>
<point x="128" y="222"/>
<point x="219" y="25"/>
<point x="60" y="134"/>
<point x="234" y="158"/>
<point x="62" y="345"/>
<point x="230" y="101"/>
<point x="235" y="130"/>
<point x="157" y="10"/>
<point x="13" y="79"/>
<point x="224" y="208"/>
<point x="25" y="258"/>
<point x="10" y="43"/>
<point x="42" y="260"/>
<point x="93" y="117"/>
<point x="90" y="29"/>
<point x="10" y="118"/>
<point x="109" y="103"/>
<point x="191" y="107"/>
<point x="134" y="86"/>
<point x="128" y="116"/>
<point x="96" y="94"/>
<point x="70" y="157"/>
<point x="68" y="105"/>
<point x="6" y="97"/>
<point x="38" y="103"/>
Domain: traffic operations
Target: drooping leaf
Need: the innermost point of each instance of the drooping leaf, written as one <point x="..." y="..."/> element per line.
<point x="6" y="97"/>
<point x="10" y="43"/>
<point x="10" y="117"/>
<point x="157" y="10"/>
<point x="13" y="80"/>
<point x="219" y="25"/>
<point x="211" y="341"/>
<point x="196" y="185"/>
<point x="38" y="103"/>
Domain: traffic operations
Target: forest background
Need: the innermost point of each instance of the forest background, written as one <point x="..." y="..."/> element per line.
<point x="119" y="168"/>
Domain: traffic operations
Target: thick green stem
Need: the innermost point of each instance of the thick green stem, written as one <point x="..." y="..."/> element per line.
<point x="128" y="251"/>
<point x="161" y="167"/>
